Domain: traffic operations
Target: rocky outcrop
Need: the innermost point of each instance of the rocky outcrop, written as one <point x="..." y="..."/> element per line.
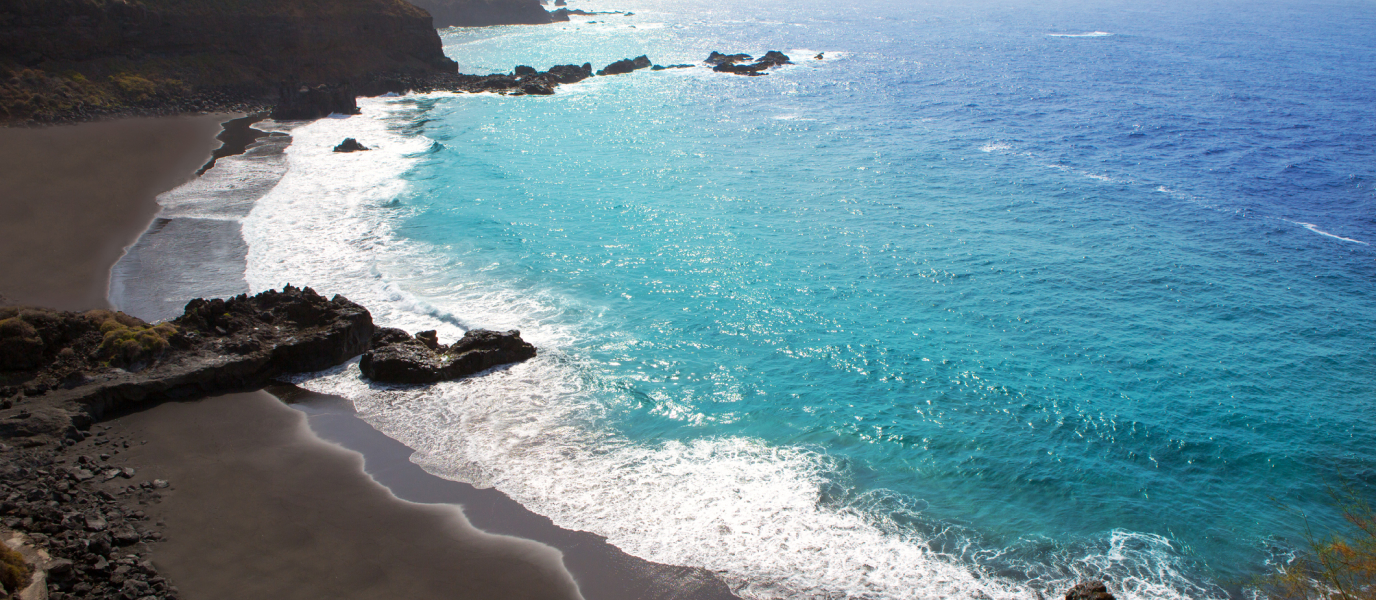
<point x="1089" y="590"/>
<point x="524" y="80"/>
<point x="303" y="103"/>
<point x="350" y="145"/>
<point x="100" y="362"/>
<point x="479" y="13"/>
<point x="626" y="65"/>
<point x="62" y="59"/>
<point x="732" y="63"/>
<point x="396" y="357"/>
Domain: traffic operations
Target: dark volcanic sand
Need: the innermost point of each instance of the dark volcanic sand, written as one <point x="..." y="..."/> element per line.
<point x="73" y="197"/>
<point x="259" y="507"/>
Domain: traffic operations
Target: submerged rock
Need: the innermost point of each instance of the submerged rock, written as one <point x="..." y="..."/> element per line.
<point x="350" y="145"/>
<point x="1089" y="590"/>
<point x="396" y="357"/>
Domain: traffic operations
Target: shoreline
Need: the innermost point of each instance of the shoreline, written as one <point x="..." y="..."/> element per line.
<point x="81" y="194"/>
<point x="190" y="443"/>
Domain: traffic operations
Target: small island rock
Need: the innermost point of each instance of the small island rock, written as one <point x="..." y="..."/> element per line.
<point x="350" y="145"/>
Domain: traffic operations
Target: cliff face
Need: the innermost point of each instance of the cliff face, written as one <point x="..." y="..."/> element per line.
<point x="60" y="58"/>
<point x="477" y="13"/>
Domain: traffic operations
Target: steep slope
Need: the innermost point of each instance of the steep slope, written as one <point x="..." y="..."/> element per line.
<point x="63" y="59"/>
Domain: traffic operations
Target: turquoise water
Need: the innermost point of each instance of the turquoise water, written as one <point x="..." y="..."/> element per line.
<point x="992" y="297"/>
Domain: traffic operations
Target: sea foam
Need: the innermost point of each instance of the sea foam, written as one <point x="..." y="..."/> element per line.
<point x="750" y="511"/>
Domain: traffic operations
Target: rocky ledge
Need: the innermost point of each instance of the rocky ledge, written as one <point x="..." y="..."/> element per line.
<point x="396" y="357"/>
<point x="62" y="371"/>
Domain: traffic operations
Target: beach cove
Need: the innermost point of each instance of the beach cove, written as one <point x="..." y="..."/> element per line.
<point x="974" y="301"/>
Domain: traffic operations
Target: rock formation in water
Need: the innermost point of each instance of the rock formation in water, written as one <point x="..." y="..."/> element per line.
<point x="732" y="63"/>
<point x="1089" y="590"/>
<point x="626" y="65"/>
<point x="79" y="59"/>
<point x="350" y="145"/>
<point x="477" y="13"/>
<point x="396" y="357"/>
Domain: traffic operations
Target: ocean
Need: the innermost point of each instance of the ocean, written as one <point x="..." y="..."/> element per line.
<point x="989" y="298"/>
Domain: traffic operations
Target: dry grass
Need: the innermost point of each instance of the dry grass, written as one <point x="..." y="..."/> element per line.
<point x="14" y="572"/>
<point x="1341" y="566"/>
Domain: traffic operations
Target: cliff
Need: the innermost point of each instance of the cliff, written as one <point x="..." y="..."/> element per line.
<point x="76" y="59"/>
<point x="477" y="13"/>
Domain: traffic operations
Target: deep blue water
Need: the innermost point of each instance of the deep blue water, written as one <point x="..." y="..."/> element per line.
<point x="969" y="305"/>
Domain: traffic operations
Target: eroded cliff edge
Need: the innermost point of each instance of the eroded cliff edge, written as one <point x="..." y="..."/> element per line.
<point x="479" y="13"/>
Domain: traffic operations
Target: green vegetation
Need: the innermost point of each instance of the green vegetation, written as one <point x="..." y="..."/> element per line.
<point x="14" y="572"/>
<point x="15" y="327"/>
<point x="1341" y="566"/>
<point x="125" y="339"/>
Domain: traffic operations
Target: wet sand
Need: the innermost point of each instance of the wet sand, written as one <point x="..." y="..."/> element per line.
<point x="259" y="507"/>
<point x="75" y="196"/>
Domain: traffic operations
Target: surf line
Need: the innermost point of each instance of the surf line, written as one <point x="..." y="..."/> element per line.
<point x="1315" y="229"/>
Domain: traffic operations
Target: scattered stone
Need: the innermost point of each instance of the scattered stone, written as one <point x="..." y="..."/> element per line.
<point x="96" y="523"/>
<point x="160" y="483"/>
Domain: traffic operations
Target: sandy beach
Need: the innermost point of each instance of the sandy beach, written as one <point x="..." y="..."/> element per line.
<point x="77" y="195"/>
<point x="268" y="500"/>
<point x="262" y="508"/>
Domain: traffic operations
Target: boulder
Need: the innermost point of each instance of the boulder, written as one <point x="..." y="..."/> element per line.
<point x="350" y="145"/>
<point x="397" y="359"/>
<point x="665" y="67"/>
<point x="1089" y="590"/>
<point x="522" y="70"/>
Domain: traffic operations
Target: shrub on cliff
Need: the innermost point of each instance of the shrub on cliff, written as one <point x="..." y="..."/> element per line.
<point x="126" y="340"/>
<point x="1339" y="567"/>
<point x="14" y="572"/>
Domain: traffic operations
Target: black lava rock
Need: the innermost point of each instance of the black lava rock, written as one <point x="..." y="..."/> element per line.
<point x="398" y="359"/>
<point x="1089" y="590"/>
<point x="350" y="145"/>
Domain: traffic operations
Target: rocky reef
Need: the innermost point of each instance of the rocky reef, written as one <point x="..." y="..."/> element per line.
<point x="477" y="13"/>
<point x="396" y="357"/>
<point x="740" y="63"/>
<point x="82" y="59"/>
